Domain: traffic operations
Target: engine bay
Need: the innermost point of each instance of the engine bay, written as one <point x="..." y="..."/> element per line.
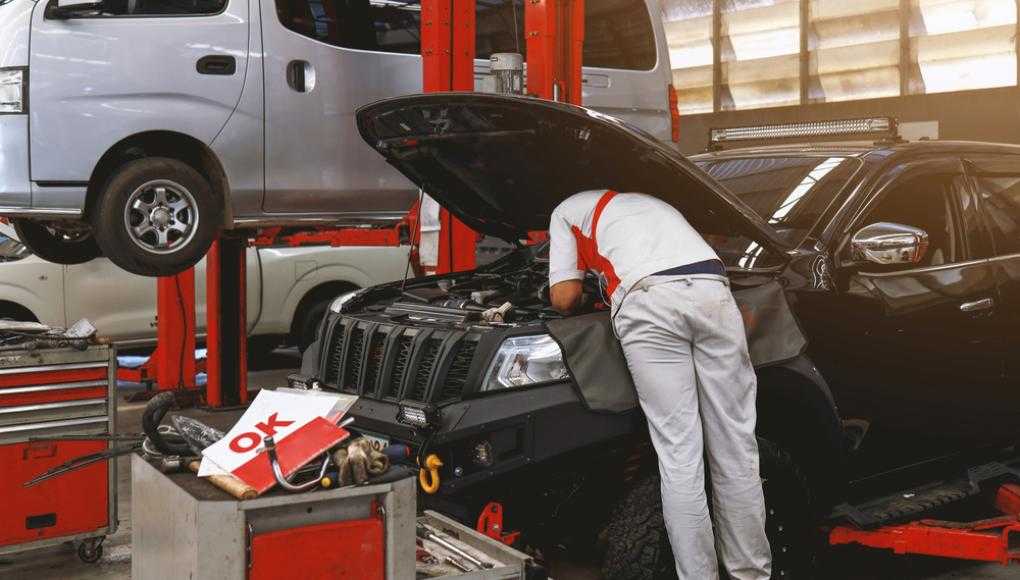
<point x="510" y="292"/>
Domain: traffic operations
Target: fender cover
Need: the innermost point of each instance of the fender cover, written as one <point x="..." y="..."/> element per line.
<point x="595" y="359"/>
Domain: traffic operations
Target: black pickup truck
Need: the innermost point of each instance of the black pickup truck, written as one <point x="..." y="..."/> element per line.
<point x="897" y="263"/>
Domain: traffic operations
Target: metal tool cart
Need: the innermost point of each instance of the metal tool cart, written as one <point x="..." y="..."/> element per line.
<point x="183" y="523"/>
<point x="50" y="393"/>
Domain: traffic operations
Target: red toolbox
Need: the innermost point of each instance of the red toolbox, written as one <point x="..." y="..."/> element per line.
<point x="55" y="392"/>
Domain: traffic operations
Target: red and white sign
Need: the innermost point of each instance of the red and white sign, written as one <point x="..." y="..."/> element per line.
<point x="304" y="425"/>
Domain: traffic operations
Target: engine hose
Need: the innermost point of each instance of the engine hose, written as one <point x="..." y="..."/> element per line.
<point x="155" y="410"/>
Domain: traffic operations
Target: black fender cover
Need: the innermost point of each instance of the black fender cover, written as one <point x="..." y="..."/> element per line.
<point x="595" y="359"/>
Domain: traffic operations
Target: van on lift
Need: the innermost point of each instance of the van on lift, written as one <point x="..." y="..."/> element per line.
<point x="137" y="128"/>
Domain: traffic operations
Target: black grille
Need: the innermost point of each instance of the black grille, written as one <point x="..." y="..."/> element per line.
<point x="427" y="362"/>
<point x="405" y="346"/>
<point x="376" y="356"/>
<point x="391" y="361"/>
<point x="457" y="376"/>
<point x="352" y="368"/>
<point x="334" y="356"/>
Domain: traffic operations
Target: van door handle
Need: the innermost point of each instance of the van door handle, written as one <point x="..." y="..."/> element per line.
<point x="217" y="64"/>
<point x="978" y="305"/>
<point x="301" y="76"/>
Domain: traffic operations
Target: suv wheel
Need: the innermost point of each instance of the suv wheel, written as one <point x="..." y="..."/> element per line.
<point x="638" y="547"/>
<point x="156" y="217"/>
<point x="56" y="244"/>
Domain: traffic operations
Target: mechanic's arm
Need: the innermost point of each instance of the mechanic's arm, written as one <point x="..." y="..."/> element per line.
<point x="566" y="270"/>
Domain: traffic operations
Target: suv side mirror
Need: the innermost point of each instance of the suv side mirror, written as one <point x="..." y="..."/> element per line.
<point x="64" y="9"/>
<point x="888" y="243"/>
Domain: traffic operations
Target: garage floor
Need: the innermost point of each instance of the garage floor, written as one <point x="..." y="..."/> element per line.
<point x="61" y="563"/>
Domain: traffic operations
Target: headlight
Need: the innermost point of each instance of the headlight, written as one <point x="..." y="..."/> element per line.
<point x="338" y="304"/>
<point x="526" y="360"/>
<point x="12" y="90"/>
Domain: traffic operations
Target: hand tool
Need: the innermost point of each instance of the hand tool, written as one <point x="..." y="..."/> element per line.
<point x="80" y="462"/>
<point x="228" y="483"/>
<point x="427" y="534"/>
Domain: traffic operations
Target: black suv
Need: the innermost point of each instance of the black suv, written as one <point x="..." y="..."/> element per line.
<point x="895" y="266"/>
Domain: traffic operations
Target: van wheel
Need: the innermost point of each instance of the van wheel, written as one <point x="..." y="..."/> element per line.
<point x="639" y="549"/>
<point x="156" y="217"/>
<point x="58" y="245"/>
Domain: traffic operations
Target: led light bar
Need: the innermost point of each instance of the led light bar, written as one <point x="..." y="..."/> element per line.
<point x="832" y="128"/>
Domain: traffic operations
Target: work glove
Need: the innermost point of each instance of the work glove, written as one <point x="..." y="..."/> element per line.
<point x="360" y="460"/>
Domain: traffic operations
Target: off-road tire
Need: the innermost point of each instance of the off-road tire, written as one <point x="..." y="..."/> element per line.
<point x="53" y="248"/>
<point x="638" y="547"/>
<point x="117" y="242"/>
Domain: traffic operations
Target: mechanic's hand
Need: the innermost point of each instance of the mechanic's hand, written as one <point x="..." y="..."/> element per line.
<point x="360" y="460"/>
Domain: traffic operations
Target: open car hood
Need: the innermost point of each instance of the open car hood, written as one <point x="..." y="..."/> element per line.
<point x="501" y="164"/>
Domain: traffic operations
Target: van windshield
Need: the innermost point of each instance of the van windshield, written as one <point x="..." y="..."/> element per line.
<point x="12" y="250"/>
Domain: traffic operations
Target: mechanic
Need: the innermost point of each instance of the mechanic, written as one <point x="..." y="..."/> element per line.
<point x="684" y="341"/>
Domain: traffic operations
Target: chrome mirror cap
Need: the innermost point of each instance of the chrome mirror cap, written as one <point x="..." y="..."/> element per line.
<point x="889" y="243"/>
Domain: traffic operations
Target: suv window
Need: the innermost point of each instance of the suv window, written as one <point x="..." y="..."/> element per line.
<point x="1000" y="204"/>
<point x="927" y="202"/>
<point x="618" y="33"/>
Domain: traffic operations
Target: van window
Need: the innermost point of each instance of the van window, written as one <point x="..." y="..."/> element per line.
<point x="158" y="7"/>
<point x="618" y="33"/>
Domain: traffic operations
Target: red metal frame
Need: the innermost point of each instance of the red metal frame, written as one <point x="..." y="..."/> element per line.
<point x="984" y="540"/>
<point x="554" y="30"/>
<point x="448" y="64"/>
<point x="172" y="366"/>
<point x="490" y="523"/>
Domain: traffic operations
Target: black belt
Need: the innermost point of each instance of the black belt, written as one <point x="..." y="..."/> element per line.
<point x="714" y="267"/>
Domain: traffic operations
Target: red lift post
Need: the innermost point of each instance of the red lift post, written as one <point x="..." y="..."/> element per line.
<point x="448" y="64"/>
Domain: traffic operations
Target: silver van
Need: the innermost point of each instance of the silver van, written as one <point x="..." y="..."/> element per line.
<point x="137" y="128"/>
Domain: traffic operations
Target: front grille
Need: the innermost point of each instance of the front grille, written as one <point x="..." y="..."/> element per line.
<point x="352" y="366"/>
<point x="334" y="356"/>
<point x="457" y="376"/>
<point x="395" y="362"/>
<point x="423" y="371"/>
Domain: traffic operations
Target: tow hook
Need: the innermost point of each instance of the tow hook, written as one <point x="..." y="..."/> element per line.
<point x="428" y="476"/>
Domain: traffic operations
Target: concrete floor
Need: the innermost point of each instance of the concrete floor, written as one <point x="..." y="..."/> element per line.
<point x="61" y="563"/>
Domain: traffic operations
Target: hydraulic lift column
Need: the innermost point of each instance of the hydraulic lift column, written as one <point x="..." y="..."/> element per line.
<point x="448" y="64"/>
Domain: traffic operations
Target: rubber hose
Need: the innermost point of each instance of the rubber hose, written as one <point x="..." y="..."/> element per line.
<point x="155" y="410"/>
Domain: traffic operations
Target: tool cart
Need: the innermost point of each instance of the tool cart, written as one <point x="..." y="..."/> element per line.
<point x="49" y="393"/>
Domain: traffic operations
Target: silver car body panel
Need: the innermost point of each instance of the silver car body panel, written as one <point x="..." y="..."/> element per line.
<point x="289" y="157"/>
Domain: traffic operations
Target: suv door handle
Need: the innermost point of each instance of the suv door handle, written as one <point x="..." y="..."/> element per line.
<point x="978" y="305"/>
<point x="217" y="64"/>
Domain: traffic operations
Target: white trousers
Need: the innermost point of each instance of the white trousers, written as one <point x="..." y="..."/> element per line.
<point x="686" y="348"/>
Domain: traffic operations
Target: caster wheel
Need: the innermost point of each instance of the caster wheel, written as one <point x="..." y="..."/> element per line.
<point x="90" y="551"/>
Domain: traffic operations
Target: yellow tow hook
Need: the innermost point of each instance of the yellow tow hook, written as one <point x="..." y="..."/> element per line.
<point x="428" y="476"/>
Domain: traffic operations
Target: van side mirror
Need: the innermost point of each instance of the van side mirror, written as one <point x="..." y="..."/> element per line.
<point x="64" y="9"/>
<point x="888" y="243"/>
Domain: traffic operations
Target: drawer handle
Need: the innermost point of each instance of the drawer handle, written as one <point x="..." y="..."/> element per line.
<point x="52" y="425"/>
<point x="57" y="387"/>
<point x="41" y="521"/>
<point x="53" y="368"/>
<point x="48" y="406"/>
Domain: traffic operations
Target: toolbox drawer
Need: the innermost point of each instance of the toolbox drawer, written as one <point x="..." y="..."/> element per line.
<point x="54" y="392"/>
<point x="63" y="506"/>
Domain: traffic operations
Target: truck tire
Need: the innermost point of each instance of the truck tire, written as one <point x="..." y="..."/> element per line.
<point x="638" y="547"/>
<point x="156" y="217"/>
<point x="57" y="246"/>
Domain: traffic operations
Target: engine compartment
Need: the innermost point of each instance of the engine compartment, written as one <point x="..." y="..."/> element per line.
<point x="511" y="292"/>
